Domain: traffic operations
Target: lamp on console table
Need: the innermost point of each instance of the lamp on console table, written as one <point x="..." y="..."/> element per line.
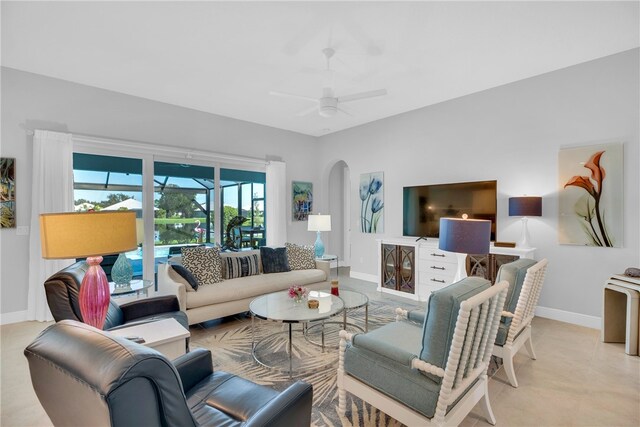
<point x="90" y="235"/>
<point x="464" y="236"/>
<point x="319" y="223"/>
<point x="524" y="207"/>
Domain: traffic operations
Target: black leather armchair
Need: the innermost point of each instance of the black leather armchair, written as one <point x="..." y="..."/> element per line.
<point x="84" y="376"/>
<point x="63" y="289"/>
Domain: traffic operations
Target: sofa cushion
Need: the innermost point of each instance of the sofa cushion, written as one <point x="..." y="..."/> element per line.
<point x="300" y="257"/>
<point x="274" y="260"/>
<point x="204" y="263"/>
<point x="441" y="318"/>
<point x="251" y="286"/>
<point x="183" y="273"/>
<point x="240" y="266"/>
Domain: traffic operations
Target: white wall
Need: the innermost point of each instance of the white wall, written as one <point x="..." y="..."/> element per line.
<point x="31" y="101"/>
<point x="510" y="133"/>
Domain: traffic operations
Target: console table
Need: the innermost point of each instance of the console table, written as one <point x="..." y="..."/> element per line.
<point x="413" y="269"/>
<point x="620" y="308"/>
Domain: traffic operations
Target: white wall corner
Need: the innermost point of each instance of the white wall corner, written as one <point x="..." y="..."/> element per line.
<point x="569" y="317"/>
<point x="364" y="276"/>
<point x="13" y="317"/>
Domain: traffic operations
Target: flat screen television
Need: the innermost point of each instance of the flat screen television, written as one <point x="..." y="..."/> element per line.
<point x="424" y="205"/>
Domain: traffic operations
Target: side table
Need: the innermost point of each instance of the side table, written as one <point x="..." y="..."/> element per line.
<point x="621" y="304"/>
<point x="136" y="286"/>
<point x="167" y="336"/>
<point x="328" y="257"/>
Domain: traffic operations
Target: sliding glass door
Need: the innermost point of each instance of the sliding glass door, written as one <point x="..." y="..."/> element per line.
<point x="243" y="207"/>
<point x="109" y="183"/>
<point x="183" y="207"/>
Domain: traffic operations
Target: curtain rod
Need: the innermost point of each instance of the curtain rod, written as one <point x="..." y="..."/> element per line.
<point x="155" y="148"/>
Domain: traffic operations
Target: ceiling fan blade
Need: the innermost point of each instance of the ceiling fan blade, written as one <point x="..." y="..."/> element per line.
<point x="291" y="95"/>
<point x="362" y="95"/>
<point x="307" y="111"/>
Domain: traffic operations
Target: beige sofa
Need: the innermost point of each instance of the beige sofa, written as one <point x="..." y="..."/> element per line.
<point x="233" y="296"/>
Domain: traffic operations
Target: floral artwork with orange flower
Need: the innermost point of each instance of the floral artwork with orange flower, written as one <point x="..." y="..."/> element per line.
<point x="591" y="195"/>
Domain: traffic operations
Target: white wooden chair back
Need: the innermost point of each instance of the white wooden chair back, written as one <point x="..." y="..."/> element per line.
<point x="528" y="300"/>
<point x="473" y="338"/>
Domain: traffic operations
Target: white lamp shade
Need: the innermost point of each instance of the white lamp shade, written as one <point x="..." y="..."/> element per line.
<point x="319" y="223"/>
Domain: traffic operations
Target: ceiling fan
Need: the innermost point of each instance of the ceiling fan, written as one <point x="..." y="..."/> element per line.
<point x="329" y="104"/>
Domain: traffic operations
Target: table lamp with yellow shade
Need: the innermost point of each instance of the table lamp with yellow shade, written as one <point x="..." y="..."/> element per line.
<point x="90" y="235"/>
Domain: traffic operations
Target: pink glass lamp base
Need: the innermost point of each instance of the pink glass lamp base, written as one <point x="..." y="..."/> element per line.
<point x="94" y="294"/>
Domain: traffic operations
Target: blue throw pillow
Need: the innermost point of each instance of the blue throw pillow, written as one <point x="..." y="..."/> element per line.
<point x="274" y="260"/>
<point x="186" y="275"/>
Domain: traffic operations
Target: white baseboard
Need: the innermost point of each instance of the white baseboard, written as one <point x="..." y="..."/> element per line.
<point x="364" y="276"/>
<point x="569" y="317"/>
<point x="13" y="317"/>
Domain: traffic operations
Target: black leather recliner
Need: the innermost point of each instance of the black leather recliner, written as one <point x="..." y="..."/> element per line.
<point x="86" y="377"/>
<point x="63" y="289"/>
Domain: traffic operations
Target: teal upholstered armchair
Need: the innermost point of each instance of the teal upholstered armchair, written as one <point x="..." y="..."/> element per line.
<point x="429" y="374"/>
<point x="525" y="278"/>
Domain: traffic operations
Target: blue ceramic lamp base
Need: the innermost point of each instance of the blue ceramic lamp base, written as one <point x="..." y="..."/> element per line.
<point x="319" y="246"/>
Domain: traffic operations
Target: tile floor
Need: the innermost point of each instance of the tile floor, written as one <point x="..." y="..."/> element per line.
<point x="576" y="380"/>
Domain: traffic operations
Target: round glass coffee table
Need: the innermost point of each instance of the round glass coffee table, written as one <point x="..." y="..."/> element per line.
<point x="278" y="307"/>
<point x="352" y="301"/>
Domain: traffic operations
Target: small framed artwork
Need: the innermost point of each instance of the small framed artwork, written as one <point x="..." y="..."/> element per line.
<point x="372" y="202"/>
<point x="591" y="195"/>
<point x="301" y="200"/>
<point x="8" y="192"/>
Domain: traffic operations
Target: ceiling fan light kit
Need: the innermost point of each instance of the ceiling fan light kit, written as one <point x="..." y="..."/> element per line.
<point x="328" y="104"/>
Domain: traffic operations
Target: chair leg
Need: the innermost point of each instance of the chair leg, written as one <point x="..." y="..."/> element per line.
<point x="528" y="344"/>
<point x="485" y="405"/>
<point x="342" y="401"/>
<point x="507" y="359"/>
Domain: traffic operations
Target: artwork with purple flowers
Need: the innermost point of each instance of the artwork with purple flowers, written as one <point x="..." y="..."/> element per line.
<point x="371" y="192"/>
<point x="591" y="195"/>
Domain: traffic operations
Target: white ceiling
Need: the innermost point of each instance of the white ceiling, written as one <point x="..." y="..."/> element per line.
<point x="224" y="58"/>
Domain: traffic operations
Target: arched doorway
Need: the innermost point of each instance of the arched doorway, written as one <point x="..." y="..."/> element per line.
<point x="339" y="208"/>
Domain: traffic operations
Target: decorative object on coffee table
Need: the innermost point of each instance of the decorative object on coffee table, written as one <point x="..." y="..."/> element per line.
<point x="464" y="236"/>
<point x="524" y="207"/>
<point x="91" y="235"/>
<point x="319" y="223"/>
<point x="298" y="293"/>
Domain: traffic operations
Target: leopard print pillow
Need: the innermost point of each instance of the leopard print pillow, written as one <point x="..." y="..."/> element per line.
<point x="204" y="263"/>
<point x="300" y="257"/>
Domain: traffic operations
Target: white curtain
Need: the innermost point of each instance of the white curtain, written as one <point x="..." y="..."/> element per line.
<point x="51" y="191"/>
<point x="276" y="203"/>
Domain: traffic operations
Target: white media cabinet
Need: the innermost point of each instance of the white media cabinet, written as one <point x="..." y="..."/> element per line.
<point x="421" y="266"/>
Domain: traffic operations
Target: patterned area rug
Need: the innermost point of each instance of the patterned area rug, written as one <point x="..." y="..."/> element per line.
<point x="231" y="349"/>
